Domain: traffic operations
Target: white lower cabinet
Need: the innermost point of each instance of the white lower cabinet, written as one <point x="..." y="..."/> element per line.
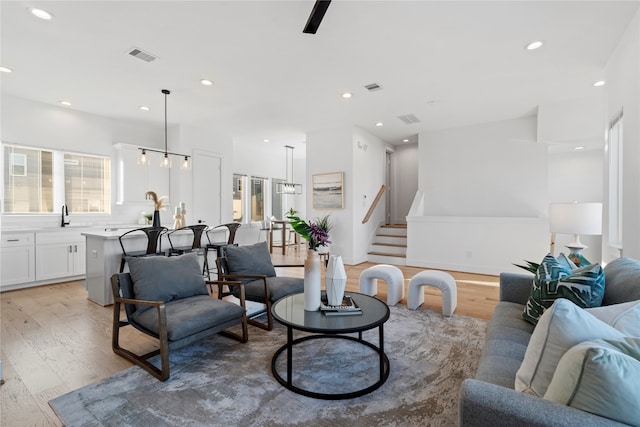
<point x="17" y="259"/>
<point x="59" y="254"/>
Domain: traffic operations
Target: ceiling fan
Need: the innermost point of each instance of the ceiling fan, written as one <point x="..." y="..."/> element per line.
<point x="317" y="13"/>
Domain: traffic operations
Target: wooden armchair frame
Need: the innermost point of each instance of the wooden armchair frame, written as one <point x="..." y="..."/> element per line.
<point x="164" y="344"/>
<point x="224" y="277"/>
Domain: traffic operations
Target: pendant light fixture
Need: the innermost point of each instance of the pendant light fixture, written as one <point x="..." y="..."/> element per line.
<point x="166" y="160"/>
<point x="288" y="187"/>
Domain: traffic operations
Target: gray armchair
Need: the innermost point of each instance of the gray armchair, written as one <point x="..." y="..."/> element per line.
<point x="251" y="265"/>
<point x="167" y="298"/>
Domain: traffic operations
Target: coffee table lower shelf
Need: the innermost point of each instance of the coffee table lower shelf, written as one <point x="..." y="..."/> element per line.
<point x="288" y="383"/>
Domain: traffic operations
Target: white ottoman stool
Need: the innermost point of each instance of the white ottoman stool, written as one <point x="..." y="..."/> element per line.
<point x="390" y="274"/>
<point x="439" y="279"/>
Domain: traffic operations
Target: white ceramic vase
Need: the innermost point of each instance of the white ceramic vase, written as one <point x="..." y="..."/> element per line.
<point x="335" y="280"/>
<point x="312" y="281"/>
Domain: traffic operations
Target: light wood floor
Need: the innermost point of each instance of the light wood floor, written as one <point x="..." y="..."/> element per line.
<point x="53" y="340"/>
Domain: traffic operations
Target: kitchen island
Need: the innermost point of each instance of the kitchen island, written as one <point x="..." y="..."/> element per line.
<point x="103" y="255"/>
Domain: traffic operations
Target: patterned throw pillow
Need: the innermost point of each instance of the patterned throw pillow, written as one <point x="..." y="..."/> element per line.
<point x="582" y="286"/>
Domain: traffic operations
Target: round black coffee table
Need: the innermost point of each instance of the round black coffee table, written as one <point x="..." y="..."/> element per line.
<point x="290" y="312"/>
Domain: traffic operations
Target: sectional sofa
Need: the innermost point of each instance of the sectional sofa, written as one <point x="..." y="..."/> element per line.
<point x="490" y="399"/>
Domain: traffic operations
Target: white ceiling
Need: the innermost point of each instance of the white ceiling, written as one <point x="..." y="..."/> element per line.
<point x="450" y="63"/>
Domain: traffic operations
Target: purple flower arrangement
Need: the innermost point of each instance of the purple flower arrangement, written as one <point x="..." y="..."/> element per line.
<point x="316" y="232"/>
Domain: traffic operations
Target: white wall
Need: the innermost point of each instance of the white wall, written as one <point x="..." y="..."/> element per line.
<point x="493" y="169"/>
<point x="404" y="180"/>
<point x="269" y="160"/>
<point x="331" y="151"/>
<point x="622" y="91"/>
<point x="41" y="125"/>
<point x="367" y="178"/>
<point x="577" y="176"/>
<point x="572" y="120"/>
<point x="337" y="150"/>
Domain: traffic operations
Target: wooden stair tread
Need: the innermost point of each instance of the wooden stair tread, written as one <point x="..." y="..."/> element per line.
<point x="387" y="254"/>
<point x="394" y="226"/>
<point x="391" y="235"/>
<point x="395" y="245"/>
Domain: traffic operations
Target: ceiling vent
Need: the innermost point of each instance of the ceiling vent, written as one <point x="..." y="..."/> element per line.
<point x="140" y="54"/>
<point x="409" y="118"/>
<point x="373" y="87"/>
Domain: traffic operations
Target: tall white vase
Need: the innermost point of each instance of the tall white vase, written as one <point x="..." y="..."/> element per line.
<point x="335" y="280"/>
<point x="312" y="281"/>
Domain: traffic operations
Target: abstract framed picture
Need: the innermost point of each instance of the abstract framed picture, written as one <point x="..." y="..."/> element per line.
<point x="328" y="190"/>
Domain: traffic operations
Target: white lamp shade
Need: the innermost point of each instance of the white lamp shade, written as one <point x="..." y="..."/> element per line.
<point x="575" y="218"/>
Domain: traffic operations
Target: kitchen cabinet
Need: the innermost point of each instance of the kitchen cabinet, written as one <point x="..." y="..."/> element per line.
<point x="17" y="259"/>
<point x="60" y="254"/>
<point x="135" y="179"/>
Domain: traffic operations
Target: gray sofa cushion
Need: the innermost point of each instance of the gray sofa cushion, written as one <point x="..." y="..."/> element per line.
<point x="187" y="317"/>
<point x="623" y="281"/>
<point x="278" y="287"/>
<point x="250" y="259"/>
<point x="506" y="343"/>
<point x="166" y="278"/>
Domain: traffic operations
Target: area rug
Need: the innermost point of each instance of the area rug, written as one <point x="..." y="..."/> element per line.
<point x="219" y="381"/>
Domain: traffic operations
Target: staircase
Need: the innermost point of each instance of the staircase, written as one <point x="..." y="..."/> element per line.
<point x="389" y="245"/>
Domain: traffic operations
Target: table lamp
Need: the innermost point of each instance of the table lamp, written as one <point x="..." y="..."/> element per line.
<point x="575" y="218"/>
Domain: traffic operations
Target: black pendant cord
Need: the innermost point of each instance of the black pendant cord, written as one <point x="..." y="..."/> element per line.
<point x="166" y="149"/>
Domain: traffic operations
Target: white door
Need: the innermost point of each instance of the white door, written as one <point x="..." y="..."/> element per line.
<point x="207" y="188"/>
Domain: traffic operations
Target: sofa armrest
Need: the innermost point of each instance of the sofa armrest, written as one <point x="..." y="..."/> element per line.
<point x="484" y="404"/>
<point x="515" y="287"/>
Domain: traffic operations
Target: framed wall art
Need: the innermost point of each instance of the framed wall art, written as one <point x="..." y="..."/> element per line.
<point x="328" y="190"/>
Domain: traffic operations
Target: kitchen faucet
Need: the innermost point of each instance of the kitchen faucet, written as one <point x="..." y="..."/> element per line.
<point x="65" y="211"/>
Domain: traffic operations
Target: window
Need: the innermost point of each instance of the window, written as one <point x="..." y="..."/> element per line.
<point x="87" y="185"/>
<point x="251" y="201"/>
<point x="258" y="186"/>
<point x="28" y="180"/>
<point x="277" y="200"/>
<point x="38" y="181"/>
<point x="615" y="182"/>
<point x="238" y="196"/>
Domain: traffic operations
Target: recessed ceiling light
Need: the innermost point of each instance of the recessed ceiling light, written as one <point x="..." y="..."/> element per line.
<point x="206" y="82"/>
<point x="379" y="124"/>
<point x="65" y="103"/>
<point x="266" y="140"/>
<point x="41" y="13"/>
<point x="534" y="45"/>
<point x="347" y="95"/>
<point x="6" y="70"/>
<point x="405" y="140"/>
<point x="599" y="83"/>
<point x="144" y="108"/>
<point x="578" y="148"/>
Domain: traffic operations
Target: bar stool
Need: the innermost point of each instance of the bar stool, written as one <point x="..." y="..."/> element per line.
<point x="232" y="228"/>
<point x="154" y="244"/>
<point x="196" y="245"/>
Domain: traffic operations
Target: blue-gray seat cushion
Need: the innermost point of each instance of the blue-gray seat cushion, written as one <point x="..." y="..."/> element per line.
<point x="506" y="344"/>
<point x="189" y="316"/>
<point x="623" y="281"/>
<point x="250" y="259"/>
<point x="166" y="278"/>
<point x="278" y="287"/>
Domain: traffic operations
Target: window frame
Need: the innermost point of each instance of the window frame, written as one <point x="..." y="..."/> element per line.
<point x="58" y="180"/>
<point x="615" y="136"/>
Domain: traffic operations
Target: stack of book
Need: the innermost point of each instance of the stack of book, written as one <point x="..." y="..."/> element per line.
<point x="348" y="307"/>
